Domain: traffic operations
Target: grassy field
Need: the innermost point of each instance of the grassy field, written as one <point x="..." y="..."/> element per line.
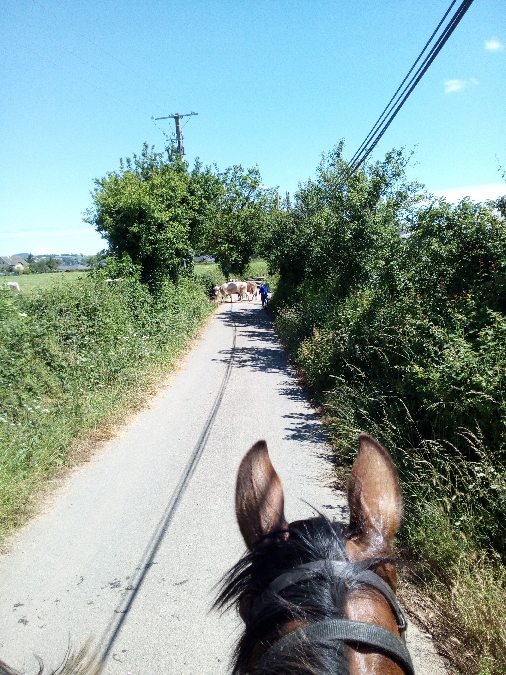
<point x="205" y="268"/>
<point x="256" y="268"/>
<point x="31" y="282"/>
<point x="34" y="282"/>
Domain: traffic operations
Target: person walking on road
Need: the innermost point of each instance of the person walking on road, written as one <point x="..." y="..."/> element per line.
<point x="264" y="294"/>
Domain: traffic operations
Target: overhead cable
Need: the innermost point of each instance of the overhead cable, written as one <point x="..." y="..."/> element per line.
<point x="385" y="111"/>
<point x="403" y="92"/>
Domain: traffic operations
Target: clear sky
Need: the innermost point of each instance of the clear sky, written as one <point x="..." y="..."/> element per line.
<point x="275" y="83"/>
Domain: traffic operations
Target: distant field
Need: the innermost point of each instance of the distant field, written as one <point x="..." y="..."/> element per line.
<point x="33" y="282"/>
<point x="257" y="268"/>
<point x="202" y="268"/>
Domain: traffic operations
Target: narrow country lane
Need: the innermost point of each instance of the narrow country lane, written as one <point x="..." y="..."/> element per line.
<point x="135" y="541"/>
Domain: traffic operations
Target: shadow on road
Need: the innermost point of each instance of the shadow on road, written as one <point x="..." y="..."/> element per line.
<point x="264" y="353"/>
<point x="305" y="427"/>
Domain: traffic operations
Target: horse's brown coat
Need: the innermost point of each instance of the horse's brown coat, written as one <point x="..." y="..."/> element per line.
<point x="375" y="503"/>
<point x="259" y="500"/>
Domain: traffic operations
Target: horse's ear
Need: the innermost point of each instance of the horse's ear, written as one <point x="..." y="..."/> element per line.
<point x="375" y="501"/>
<point x="259" y="499"/>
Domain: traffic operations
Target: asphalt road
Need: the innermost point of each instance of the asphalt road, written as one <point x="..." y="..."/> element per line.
<point x="136" y="539"/>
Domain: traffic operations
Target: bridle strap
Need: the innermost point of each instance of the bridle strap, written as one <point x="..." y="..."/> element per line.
<point x="353" y="633"/>
<point x="339" y="570"/>
<point x="375" y="581"/>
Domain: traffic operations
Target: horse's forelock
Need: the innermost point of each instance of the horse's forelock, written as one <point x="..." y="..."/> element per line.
<point x="314" y="599"/>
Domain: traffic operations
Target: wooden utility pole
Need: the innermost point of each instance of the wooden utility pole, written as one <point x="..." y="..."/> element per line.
<point x="179" y="134"/>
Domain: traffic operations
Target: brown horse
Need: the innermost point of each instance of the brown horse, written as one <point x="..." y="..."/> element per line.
<point x="318" y="597"/>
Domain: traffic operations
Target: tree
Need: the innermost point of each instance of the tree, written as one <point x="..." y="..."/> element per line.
<point x="158" y="212"/>
<point x="148" y="209"/>
<point x="52" y="263"/>
<point x="342" y="225"/>
<point x="236" y="225"/>
<point x="45" y="265"/>
<point x="96" y="261"/>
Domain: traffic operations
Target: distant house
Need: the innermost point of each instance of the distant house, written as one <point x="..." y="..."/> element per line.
<point x="15" y="263"/>
<point x="203" y="258"/>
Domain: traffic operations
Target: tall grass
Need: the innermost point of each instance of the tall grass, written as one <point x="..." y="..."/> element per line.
<point x="452" y="511"/>
<point x="454" y="482"/>
<point x="74" y="356"/>
<point x="393" y="307"/>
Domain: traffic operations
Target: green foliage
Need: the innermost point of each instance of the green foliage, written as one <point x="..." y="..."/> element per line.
<point x="158" y="212"/>
<point x="393" y="305"/>
<point x="116" y="268"/>
<point x="424" y="333"/>
<point x="345" y="229"/>
<point x="45" y="265"/>
<point x="240" y="218"/>
<point x="209" y="279"/>
<point x="149" y="210"/>
<point x="74" y="355"/>
<point x="95" y="261"/>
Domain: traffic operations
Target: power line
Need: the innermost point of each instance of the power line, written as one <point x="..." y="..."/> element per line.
<point x="381" y="117"/>
<point x="398" y="99"/>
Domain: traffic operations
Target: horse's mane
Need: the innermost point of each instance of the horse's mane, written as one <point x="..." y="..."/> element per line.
<point x="319" y="598"/>
<point x="80" y="662"/>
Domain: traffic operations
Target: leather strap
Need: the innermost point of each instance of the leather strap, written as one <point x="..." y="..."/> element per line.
<point x="339" y="569"/>
<point x="372" y="579"/>
<point x="343" y="630"/>
<point x="307" y="571"/>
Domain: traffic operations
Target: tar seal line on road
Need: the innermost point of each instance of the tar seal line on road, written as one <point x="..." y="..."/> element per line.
<point x="113" y="629"/>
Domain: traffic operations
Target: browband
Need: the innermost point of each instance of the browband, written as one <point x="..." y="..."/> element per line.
<point x="344" y="630"/>
<point x="339" y="569"/>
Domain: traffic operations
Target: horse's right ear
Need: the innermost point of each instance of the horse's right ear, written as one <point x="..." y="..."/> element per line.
<point x="375" y="501"/>
<point x="259" y="499"/>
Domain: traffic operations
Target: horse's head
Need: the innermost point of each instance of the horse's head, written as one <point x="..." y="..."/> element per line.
<point x="318" y="597"/>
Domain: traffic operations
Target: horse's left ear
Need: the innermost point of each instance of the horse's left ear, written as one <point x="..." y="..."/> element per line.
<point x="259" y="498"/>
<point x="375" y="501"/>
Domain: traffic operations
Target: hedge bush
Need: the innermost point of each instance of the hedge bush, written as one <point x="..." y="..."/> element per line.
<point x="392" y="303"/>
<point x="71" y="357"/>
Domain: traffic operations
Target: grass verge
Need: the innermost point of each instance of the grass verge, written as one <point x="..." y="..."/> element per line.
<point x="74" y="358"/>
<point x="454" y="492"/>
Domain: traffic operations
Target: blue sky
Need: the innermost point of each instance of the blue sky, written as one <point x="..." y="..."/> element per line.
<point x="275" y="83"/>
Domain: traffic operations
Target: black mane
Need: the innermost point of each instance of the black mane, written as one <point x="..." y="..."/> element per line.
<point x="319" y="598"/>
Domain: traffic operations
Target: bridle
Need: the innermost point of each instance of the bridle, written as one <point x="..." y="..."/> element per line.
<point x="352" y="633"/>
